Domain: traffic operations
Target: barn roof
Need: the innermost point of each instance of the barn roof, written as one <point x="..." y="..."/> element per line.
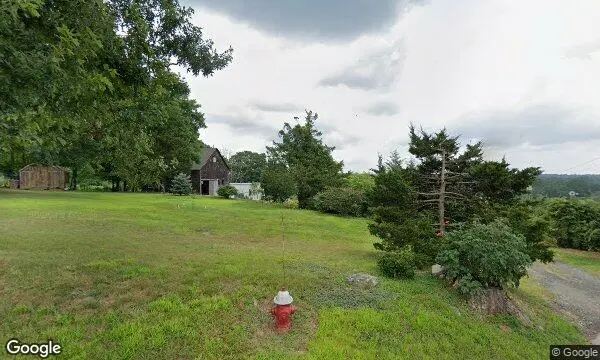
<point x="207" y="153"/>
<point x="53" y="167"/>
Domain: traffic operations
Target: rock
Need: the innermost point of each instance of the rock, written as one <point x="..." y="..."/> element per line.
<point x="437" y="270"/>
<point x="362" y="279"/>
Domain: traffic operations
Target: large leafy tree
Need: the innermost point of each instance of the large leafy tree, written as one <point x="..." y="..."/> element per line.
<point x="310" y="162"/>
<point x="247" y="166"/>
<point x="87" y="84"/>
<point x="277" y="182"/>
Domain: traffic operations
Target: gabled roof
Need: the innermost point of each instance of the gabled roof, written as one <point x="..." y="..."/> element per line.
<point x="53" y="167"/>
<point x="207" y="153"/>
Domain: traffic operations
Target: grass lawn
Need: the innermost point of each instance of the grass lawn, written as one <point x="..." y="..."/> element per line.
<point x="588" y="261"/>
<point x="149" y="276"/>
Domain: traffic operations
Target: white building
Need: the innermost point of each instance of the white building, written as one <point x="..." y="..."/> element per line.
<point x="249" y="190"/>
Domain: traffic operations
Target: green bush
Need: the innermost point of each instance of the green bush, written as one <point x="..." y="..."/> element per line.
<point x="227" y="191"/>
<point x="96" y="186"/>
<point x="291" y="203"/>
<point x="343" y="201"/>
<point x="572" y="221"/>
<point x="484" y="256"/>
<point x="364" y="182"/>
<point x="593" y="239"/>
<point x="4" y="182"/>
<point x="181" y="185"/>
<point x="397" y="264"/>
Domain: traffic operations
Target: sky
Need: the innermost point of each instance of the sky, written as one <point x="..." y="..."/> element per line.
<point x="521" y="76"/>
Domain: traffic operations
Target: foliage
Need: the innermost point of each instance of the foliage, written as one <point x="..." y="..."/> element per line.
<point x="227" y="191"/>
<point x="363" y="182"/>
<point x="526" y="217"/>
<point x="593" y="238"/>
<point x="573" y="221"/>
<point x="4" y="182"/>
<point x="291" y="203"/>
<point x="555" y="185"/>
<point x="471" y="184"/>
<point x="182" y="184"/>
<point x="397" y="264"/>
<point x="88" y="84"/>
<point x="307" y="158"/>
<point x="247" y="166"/>
<point x="341" y="200"/>
<point x="395" y="219"/>
<point x="277" y="182"/>
<point x="484" y="256"/>
<point x="95" y="186"/>
<point x="496" y="182"/>
<point x="256" y="189"/>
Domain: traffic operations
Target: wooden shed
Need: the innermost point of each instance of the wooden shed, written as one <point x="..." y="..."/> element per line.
<point x="36" y="176"/>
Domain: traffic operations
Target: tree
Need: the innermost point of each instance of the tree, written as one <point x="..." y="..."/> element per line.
<point x="88" y="84"/>
<point x="277" y="182"/>
<point x="247" y="166"/>
<point x="396" y="220"/>
<point x="308" y="159"/>
<point x="440" y="173"/>
<point x="182" y="184"/>
<point x="364" y="182"/>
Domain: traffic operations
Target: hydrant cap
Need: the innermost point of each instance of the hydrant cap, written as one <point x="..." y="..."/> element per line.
<point x="283" y="298"/>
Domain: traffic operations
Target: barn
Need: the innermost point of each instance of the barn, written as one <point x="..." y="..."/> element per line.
<point x="36" y="176"/>
<point x="211" y="173"/>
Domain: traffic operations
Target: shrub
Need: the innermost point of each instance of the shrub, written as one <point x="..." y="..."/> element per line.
<point x="397" y="264"/>
<point x="181" y="185"/>
<point x="227" y="191"/>
<point x="484" y="256"/>
<point x="342" y="201"/>
<point x="95" y="186"/>
<point x="291" y="203"/>
<point x="362" y="182"/>
<point x="4" y="182"/>
<point x="572" y="220"/>
<point x="593" y="239"/>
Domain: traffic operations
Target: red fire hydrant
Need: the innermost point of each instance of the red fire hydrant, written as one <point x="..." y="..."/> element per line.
<point x="283" y="310"/>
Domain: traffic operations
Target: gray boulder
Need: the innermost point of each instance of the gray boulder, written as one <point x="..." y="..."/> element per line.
<point x="362" y="279"/>
<point x="437" y="270"/>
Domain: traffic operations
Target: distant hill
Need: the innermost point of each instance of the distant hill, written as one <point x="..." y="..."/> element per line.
<point x="558" y="185"/>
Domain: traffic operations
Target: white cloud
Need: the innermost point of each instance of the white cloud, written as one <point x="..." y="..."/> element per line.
<point x="466" y="65"/>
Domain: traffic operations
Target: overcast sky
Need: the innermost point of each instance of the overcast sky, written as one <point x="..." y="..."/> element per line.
<point x="521" y="75"/>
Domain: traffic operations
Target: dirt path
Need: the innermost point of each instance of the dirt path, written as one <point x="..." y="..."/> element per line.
<point x="576" y="293"/>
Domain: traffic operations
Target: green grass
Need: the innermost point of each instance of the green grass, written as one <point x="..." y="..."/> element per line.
<point x="139" y="276"/>
<point x="588" y="261"/>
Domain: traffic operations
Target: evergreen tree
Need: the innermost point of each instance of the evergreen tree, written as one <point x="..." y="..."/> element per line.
<point x="181" y="185"/>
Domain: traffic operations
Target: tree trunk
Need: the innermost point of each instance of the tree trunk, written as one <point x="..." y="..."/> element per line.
<point x="442" y="194"/>
<point x="492" y="302"/>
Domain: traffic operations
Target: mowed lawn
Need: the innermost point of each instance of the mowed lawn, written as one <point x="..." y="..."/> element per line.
<point x="151" y="276"/>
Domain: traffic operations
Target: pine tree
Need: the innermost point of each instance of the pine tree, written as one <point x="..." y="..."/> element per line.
<point x="182" y="184"/>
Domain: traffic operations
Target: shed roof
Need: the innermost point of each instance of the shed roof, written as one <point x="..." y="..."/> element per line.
<point x="53" y="167"/>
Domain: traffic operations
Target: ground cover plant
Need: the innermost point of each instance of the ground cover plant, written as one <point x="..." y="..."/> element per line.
<point x="156" y="276"/>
